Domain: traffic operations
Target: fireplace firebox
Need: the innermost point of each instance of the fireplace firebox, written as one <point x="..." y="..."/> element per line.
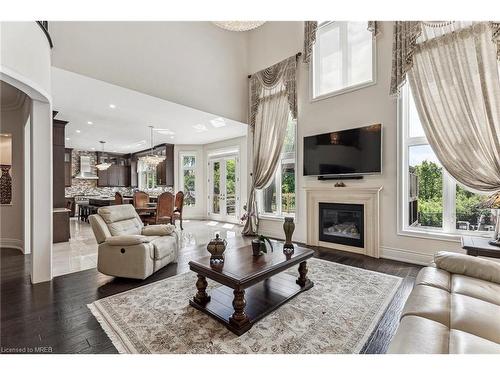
<point x="342" y="223"/>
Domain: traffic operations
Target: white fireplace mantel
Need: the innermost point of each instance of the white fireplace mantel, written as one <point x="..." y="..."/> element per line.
<point x="367" y="196"/>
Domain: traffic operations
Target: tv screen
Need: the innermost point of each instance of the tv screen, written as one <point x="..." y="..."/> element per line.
<point x="345" y="152"/>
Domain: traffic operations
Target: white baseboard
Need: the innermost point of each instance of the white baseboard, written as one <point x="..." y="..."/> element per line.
<point x="12" y="243"/>
<point x="404" y="255"/>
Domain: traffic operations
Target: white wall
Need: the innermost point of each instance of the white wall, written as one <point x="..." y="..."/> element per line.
<point x="192" y="63"/>
<point x="275" y="41"/>
<point x="201" y="185"/>
<point x="12" y="216"/>
<point x="25" y="53"/>
<point x="25" y="64"/>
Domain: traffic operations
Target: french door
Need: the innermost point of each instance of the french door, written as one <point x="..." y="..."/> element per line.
<point x="223" y="187"/>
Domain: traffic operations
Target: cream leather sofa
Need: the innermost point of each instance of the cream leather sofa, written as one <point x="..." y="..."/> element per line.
<point x="127" y="248"/>
<point x="453" y="308"/>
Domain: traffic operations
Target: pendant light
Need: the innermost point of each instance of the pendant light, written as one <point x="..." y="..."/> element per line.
<point x="102" y="166"/>
<point x="152" y="160"/>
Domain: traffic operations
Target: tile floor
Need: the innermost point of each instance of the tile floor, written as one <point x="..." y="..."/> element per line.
<point x="80" y="253"/>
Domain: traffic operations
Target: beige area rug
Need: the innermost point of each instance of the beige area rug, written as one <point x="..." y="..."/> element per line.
<point x="336" y="316"/>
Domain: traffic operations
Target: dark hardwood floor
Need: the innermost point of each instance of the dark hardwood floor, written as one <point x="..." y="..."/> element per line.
<point x="53" y="317"/>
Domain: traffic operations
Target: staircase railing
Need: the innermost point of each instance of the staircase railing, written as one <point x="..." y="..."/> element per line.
<point x="44" y="25"/>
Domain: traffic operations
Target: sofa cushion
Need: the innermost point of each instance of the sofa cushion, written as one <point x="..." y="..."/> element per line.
<point x="128" y="240"/>
<point x="164" y="246"/>
<point x="435" y="277"/>
<point x="430" y="303"/>
<point x="158" y="230"/>
<point x="477" y="288"/>
<point x="468" y="265"/>
<point x="121" y="219"/>
<point x="99" y="227"/>
<point x="465" y="343"/>
<point x="125" y="227"/>
<point x="420" y="336"/>
<point x="476" y="317"/>
<point x="112" y="214"/>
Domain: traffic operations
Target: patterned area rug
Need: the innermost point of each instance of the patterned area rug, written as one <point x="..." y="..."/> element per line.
<point x="336" y="316"/>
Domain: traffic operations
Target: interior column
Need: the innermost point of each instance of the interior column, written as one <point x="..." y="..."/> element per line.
<point x="41" y="192"/>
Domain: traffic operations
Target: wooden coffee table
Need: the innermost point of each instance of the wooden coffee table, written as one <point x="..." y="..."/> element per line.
<point x="252" y="287"/>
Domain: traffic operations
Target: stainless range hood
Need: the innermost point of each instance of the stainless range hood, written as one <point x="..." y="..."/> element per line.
<point x="85" y="172"/>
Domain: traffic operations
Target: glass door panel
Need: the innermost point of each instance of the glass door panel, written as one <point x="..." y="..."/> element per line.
<point x="216" y="187"/>
<point x="230" y="179"/>
<point x="223" y="187"/>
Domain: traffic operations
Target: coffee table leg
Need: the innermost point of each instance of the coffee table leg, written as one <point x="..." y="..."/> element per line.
<point x="302" y="280"/>
<point x="239" y="318"/>
<point x="201" y="296"/>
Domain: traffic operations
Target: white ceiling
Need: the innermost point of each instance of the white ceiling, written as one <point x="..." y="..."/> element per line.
<point x="196" y="64"/>
<point x="80" y="99"/>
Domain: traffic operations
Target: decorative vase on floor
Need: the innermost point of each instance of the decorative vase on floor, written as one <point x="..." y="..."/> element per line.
<point x="288" y="227"/>
<point x="5" y="185"/>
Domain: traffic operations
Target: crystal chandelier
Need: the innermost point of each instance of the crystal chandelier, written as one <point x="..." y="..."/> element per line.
<point x="102" y="166"/>
<point x="152" y="160"/>
<point x="238" y="25"/>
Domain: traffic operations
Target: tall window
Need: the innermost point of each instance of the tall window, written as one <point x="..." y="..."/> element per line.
<point x="278" y="198"/>
<point x="343" y="58"/>
<point x="188" y="178"/>
<point x="147" y="176"/>
<point x="432" y="200"/>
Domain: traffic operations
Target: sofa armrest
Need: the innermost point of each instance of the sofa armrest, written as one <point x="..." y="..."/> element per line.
<point x="467" y="265"/>
<point x="158" y="230"/>
<point x="127" y="240"/>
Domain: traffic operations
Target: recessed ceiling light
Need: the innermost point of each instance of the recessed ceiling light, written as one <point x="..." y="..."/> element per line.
<point x="90" y="123"/>
<point x="112" y="106"/>
<point x="115" y="151"/>
<point x="93" y="148"/>
<point x="78" y="130"/>
<point x="67" y="138"/>
<point x="218" y="122"/>
<point x="200" y="128"/>
<point x="172" y="137"/>
<point x="165" y="131"/>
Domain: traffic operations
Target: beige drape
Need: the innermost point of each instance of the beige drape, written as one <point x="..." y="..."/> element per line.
<point x="310" y="28"/>
<point x="456" y="87"/>
<point x="273" y="96"/>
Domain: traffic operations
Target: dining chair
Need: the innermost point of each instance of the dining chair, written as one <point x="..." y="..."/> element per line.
<point x="165" y="208"/>
<point x="141" y="200"/>
<point x="118" y="198"/>
<point x="179" y="204"/>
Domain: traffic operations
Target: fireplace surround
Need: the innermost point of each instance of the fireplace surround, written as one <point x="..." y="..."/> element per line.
<point x="367" y="197"/>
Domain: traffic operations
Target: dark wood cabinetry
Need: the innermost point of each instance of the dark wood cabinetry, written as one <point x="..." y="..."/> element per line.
<point x="67" y="167"/>
<point x="60" y="215"/>
<point x="165" y="169"/>
<point x="58" y="151"/>
<point x="118" y="174"/>
<point x="123" y="169"/>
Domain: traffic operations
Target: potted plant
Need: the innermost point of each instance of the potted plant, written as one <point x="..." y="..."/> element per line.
<point x="259" y="245"/>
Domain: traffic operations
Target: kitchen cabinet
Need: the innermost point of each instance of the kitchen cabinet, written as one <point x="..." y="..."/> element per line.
<point x="165" y="169"/>
<point x="67" y="167"/>
<point x="117" y="175"/>
<point x="102" y="178"/>
<point x="58" y="170"/>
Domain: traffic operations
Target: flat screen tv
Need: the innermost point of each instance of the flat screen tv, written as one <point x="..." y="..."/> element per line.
<point x="344" y="153"/>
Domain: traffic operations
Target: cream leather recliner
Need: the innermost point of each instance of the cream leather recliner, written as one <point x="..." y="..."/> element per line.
<point x="127" y="248"/>
<point x="453" y="308"/>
